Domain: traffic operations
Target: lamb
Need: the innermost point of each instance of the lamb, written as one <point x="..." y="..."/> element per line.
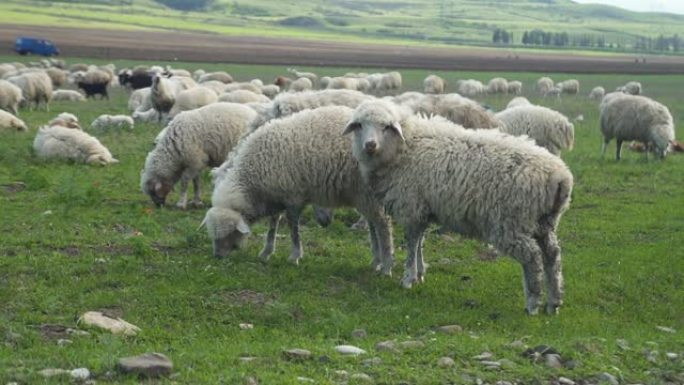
<point x="632" y="88"/>
<point x="570" y="87"/>
<point x="517" y="102"/>
<point x="548" y="128"/>
<point x="497" y="86"/>
<point x="597" y="93"/>
<point x="544" y="85"/>
<point x="455" y="108"/>
<point x="9" y="121"/>
<point x="285" y="165"/>
<point x="515" y="87"/>
<point x="67" y="96"/>
<point x="67" y="120"/>
<point x="192" y="141"/>
<point x="105" y="122"/>
<point x="632" y="117"/>
<point x="191" y="99"/>
<point x="36" y="87"/>
<point x="470" y="88"/>
<point x="57" y="142"/>
<point x="481" y="183"/>
<point x="433" y="84"/>
<point x="10" y="97"/>
<point x="307" y="75"/>
<point x="220" y="76"/>
<point x="301" y="84"/>
<point x="243" y="97"/>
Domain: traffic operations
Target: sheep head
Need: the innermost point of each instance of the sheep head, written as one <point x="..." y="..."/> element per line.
<point x="227" y="230"/>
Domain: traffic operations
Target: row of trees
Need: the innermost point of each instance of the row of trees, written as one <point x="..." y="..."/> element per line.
<point x="186" y="5"/>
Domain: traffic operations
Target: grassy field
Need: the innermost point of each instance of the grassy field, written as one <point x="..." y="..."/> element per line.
<point x="401" y="21"/>
<point x="78" y="238"/>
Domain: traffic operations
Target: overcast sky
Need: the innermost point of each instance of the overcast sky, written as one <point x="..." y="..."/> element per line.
<point x="673" y="6"/>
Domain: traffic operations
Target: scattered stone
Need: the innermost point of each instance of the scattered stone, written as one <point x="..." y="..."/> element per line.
<point x="305" y="379"/>
<point x="247" y="359"/>
<point x="450" y="329"/>
<point x="491" y="363"/>
<point x="672" y="356"/>
<point x="375" y="361"/>
<point x="445" y="362"/>
<point x="64" y="342"/>
<point x="249" y="380"/>
<point x="506" y="364"/>
<point x="518" y="344"/>
<point x="484" y="356"/>
<point x="554" y="361"/>
<point x="80" y="374"/>
<point x="246" y="326"/>
<point x="103" y="321"/>
<point x="324" y="359"/>
<point x="413" y="344"/>
<point x="341" y="374"/>
<point x="651" y="356"/>
<point x="297" y="354"/>
<point x="539" y="350"/>
<point x="349" y="350"/>
<point x="622" y="344"/>
<point x="361" y="378"/>
<point x="503" y="383"/>
<point x="666" y="329"/>
<point x="386" y="346"/>
<point x="50" y="331"/>
<point x="609" y="378"/>
<point x="100" y="261"/>
<point x="570" y="364"/>
<point x="147" y="365"/>
<point x="52" y="372"/>
<point x="359" y="334"/>
<point x="565" y="381"/>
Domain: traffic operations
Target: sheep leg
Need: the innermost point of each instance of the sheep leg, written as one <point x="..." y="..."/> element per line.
<point x="381" y="245"/>
<point x="376" y="263"/>
<point x="604" y="146"/>
<point x="553" y="270"/>
<point x="413" y="236"/>
<point x="360" y="224"/>
<point x="292" y="214"/>
<point x="420" y="263"/>
<point x="526" y="250"/>
<point x="269" y="245"/>
<point x="183" y="195"/>
<point x="196" y="186"/>
<point x="619" y="149"/>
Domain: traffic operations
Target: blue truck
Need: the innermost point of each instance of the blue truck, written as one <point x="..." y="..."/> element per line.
<point x="31" y="45"/>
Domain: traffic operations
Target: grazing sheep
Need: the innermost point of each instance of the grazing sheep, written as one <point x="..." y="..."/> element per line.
<point x="385" y="83"/>
<point x="497" y="86"/>
<point x="198" y="74"/>
<point x="570" y="87"/>
<point x="632" y="88"/>
<point x="137" y="78"/>
<point x="301" y="84"/>
<point x="8" y="120"/>
<point x="57" y="76"/>
<point x="284" y="166"/>
<point x="454" y="107"/>
<point x="470" y="88"/>
<point x="10" y="97"/>
<point x="140" y="100"/>
<point x="220" y="76"/>
<point x="284" y="82"/>
<point x="164" y="90"/>
<point x="270" y="90"/>
<point x="243" y="97"/>
<point x="518" y="101"/>
<point x="192" y="141"/>
<point x="78" y="67"/>
<point x="257" y="82"/>
<point x="146" y="116"/>
<point x="36" y="87"/>
<point x="57" y="142"/>
<point x="177" y="72"/>
<point x="597" y="93"/>
<point x="105" y="122"/>
<point x="544" y="85"/>
<point x="485" y="184"/>
<point x="307" y="75"/>
<point x="67" y="120"/>
<point x="68" y="96"/>
<point x="632" y="117"/>
<point x="93" y="82"/>
<point x="515" y="87"/>
<point x="214" y="85"/>
<point x="554" y="92"/>
<point x="433" y="84"/>
<point x="242" y="86"/>
<point x="6" y="68"/>
<point x="191" y="99"/>
<point x="548" y="128"/>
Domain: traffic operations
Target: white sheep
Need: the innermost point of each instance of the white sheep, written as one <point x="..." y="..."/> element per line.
<point x="284" y="166"/>
<point x="8" y="120"/>
<point x="10" y="97"/>
<point x="192" y="141"/>
<point x="484" y="184"/>
<point x="270" y="90"/>
<point x="197" y="74"/>
<point x="554" y="92"/>
<point x="36" y="87"/>
<point x="632" y="88"/>
<point x="518" y="101"/>
<point x="544" y="85"/>
<point x="67" y="120"/>
<point x="242" y="86"/>
<point x="549" y="129"/>
<point x="68" y="96"/>
<point x="433" y="84"/>
<point x="57" y="76"/>
<point x="220" y="76"/>
<point x="244" y="96"/>
<point x="149" y="116"/>
<point x="301" y="84"/>
<point x="307" y="75"/>
<point x="106" y="122"/>
<point x="454" y="107"/>
<point x="497" y="86"/>
<point x="633" y="117"/>
<point x="597" y="93"/>
<point x="140" y="100"/>
<point x="570" y="87"/>
<point x="470" y="88"/>
<point x="191" y="99"/>
<point x="57" y="142"/>
<point x="163" y="91"/>
<point x="515" y="87"/>
<point x="214" y="85"/>
<point x="385" y="83"/>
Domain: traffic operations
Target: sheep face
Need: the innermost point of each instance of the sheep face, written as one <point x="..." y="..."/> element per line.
<point x="227" y="229"/>
<point x="158" y="189"/>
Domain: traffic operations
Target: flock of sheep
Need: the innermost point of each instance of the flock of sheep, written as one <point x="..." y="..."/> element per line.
<point x="350" y="141"/>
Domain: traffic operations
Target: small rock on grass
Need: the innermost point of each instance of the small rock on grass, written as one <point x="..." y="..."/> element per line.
<point x="386" y="346"/>
<point x="361" y="378"/>
<point x="483" y="356"/>
<point x="249" y="380"/>
<point x="565" y="381"/>
<point x="305" y="379"/>
<point x="666" y="329"/>
<point x="672" y="356"/>
<point x="609" y="378"/>
<point x="297" y="354"/>
<point x="80" y="374"/>
<point x="554" y="361"/>
<point x="445" y="362"/>
<point x="375" y="361"/>
<point x="412" y="344"/>
<point x="114" y="325"/>
<point x="349" y="350"/>
<point x="359" y="334"/>
<point x="148" y="365"/>
<point x="51" y="372"/>
<point x="450" y="329"/>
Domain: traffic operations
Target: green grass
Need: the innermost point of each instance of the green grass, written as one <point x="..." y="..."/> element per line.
<point x="452" y="22"/>
<point x="82" y="238"/>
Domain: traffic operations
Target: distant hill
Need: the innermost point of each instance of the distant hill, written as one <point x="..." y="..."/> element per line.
<point x="555" y="23"/>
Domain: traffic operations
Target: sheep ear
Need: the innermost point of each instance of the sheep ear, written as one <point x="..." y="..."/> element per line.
<point x="242" y="227"/>
<point x="397" y="128"/>
<point x="351" y="127"/>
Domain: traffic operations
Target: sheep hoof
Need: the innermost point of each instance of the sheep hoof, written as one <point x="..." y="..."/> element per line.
<point x="181" y="205"/>
<point x="265" y="255"/>
<point x="294" y="259"/>
<point x="532" y="311"/>
<point x="408" y="281"/>
<point x="197" y="204"/>
<point x="552" y="309"/>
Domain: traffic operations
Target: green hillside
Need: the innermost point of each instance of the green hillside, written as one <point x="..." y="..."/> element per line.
<point x="462" y="22"/>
